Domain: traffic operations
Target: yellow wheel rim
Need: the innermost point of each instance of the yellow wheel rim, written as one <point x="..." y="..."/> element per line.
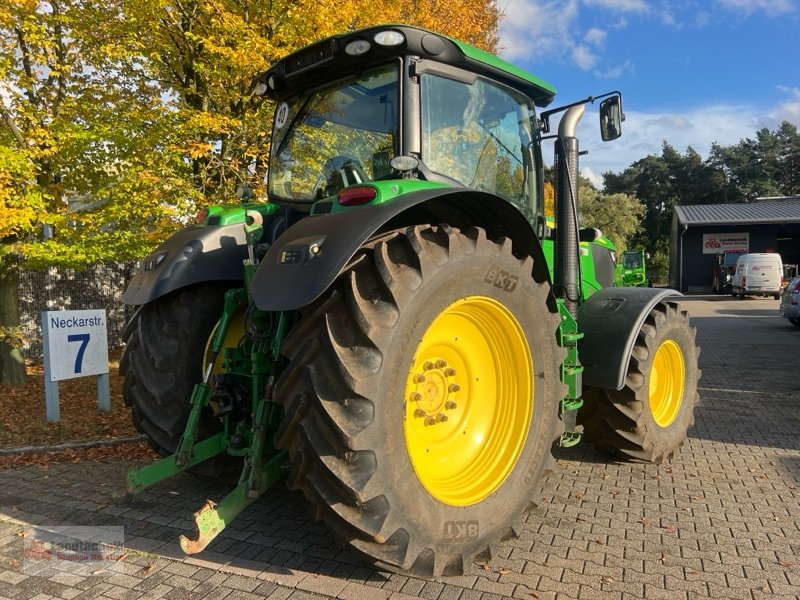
<point x="667" y="382"/>
<point x="233" y="335"/>
<point x="468" y="401"/>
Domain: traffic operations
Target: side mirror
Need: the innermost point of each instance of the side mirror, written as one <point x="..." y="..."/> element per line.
<point x="611" y="118"/>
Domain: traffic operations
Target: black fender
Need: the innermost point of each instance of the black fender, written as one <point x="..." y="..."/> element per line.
<point x="610" y="321"/>
<point x="308" y="256"/>
<point x="191" y="255"/>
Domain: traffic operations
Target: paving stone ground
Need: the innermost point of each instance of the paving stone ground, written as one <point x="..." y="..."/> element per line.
<point x="721" y="520"/>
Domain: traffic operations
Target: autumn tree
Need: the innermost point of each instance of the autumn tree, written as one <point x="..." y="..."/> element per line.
<point x="76" y="131"/>
<point x="207" y="54"/>
<point x="136" y="110"/>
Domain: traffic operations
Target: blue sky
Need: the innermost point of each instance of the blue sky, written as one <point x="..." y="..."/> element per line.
<point x="691" y="73"/>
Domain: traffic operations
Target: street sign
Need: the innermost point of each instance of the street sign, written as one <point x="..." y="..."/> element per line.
<point x="75" y="345"/>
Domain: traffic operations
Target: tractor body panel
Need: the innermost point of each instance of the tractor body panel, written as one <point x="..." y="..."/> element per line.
<point x="596" y="264"/>
<point x="307" y="258"/>
<point x="210" y="251"/>
<point x="191" y="255"/>
<point x="610" y="320"/>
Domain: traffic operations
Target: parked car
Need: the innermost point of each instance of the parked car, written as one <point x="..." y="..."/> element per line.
<point x="790" y="302"/>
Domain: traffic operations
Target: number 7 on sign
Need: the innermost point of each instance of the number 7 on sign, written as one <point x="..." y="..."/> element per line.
<point x="83" y="338"/>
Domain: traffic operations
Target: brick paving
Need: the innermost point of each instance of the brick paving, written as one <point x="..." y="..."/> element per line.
<point x="721" y="520"/>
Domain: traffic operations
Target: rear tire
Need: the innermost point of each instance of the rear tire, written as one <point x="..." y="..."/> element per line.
<point x="387" y="457"/>
<point x="649" y="417"/>
<point x="795" y="322"/>
<point x="163" y="360"/>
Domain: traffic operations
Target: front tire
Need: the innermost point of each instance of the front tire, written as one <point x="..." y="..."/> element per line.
<point x="163" y="360"/>
<point x="421" y="399"/>
<point x="649" y="417"/>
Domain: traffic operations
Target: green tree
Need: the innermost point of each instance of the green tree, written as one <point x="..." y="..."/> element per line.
<point x="660" y="183"/>
<point x="618" y="216"/>
<point x="768" y="165"/>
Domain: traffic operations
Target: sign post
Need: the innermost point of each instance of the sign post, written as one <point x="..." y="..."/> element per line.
<point x="75" y="345"/>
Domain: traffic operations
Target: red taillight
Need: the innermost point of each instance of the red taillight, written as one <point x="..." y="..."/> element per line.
<point x="357" y="195"/>
<point x="201" y="216"/>
<point x="744" y="280"/>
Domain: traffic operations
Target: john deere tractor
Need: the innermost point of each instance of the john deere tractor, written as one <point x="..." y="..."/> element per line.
<point x="398" y="329"/>
<point x="631" y="269"/>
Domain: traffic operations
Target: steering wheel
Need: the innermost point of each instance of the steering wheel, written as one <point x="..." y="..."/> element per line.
<point x="338" y="173"/>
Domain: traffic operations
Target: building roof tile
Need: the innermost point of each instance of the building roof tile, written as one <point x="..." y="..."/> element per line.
<point x="783" y="211"/>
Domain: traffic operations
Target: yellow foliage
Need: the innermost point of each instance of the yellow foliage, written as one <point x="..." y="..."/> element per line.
<point x="549" y="200"/>
<point x="198" y="149"/>
<point x="142" y="109"/>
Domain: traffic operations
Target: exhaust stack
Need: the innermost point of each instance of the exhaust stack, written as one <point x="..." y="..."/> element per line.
<point x="565" y="268"/>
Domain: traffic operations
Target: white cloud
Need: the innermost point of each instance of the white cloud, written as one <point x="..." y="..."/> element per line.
<point x="549" y="30"/>
<point x="595" y="178"/>
<point x="552" y="31"/>
<point x="702" y="19"/>
<point x="617" y="71"/>
<point x="595" y="37"/>
<point x="620" y="5"/>
<point x="788" y="110"/>
<point x="698" y="127"/>
<point x="645" y="132"/>
<point x="583" y="57"/>
<point x="769" y="7"/>
<point x="537" y="30"/>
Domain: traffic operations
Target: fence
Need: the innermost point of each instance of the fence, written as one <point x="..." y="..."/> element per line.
<point x="98" y="287"/>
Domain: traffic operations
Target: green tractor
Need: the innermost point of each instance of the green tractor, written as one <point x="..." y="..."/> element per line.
<point x="631" y="270"/>
<point x="399" y="330"/>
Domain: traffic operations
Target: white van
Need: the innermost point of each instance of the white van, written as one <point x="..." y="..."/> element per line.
<point x="758" y="274"/>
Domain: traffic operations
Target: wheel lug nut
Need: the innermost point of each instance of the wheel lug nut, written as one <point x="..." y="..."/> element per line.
<point x="453" y="387"/>
<point x="419" y="378"/>
<point x="441" y="364"/>
<point x="450" y="405"/>
<point x="428" y="365"/>
<point x="419" y="413"/>
<point x="416" y="397"/>
<point x="450" y="372"/>
<point x="441" y="417"/>
<point x="430" y="421"/>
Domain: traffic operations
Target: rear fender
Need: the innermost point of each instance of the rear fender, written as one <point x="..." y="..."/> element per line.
<point x="192" y="255"/>
<point x="610" y="321"/>
<point x="306" y="259"/>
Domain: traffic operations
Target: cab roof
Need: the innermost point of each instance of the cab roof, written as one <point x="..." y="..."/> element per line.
<point x="328" y="60"/>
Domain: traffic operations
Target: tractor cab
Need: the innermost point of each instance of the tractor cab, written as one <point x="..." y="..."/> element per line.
<point x="398" y="102"/>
